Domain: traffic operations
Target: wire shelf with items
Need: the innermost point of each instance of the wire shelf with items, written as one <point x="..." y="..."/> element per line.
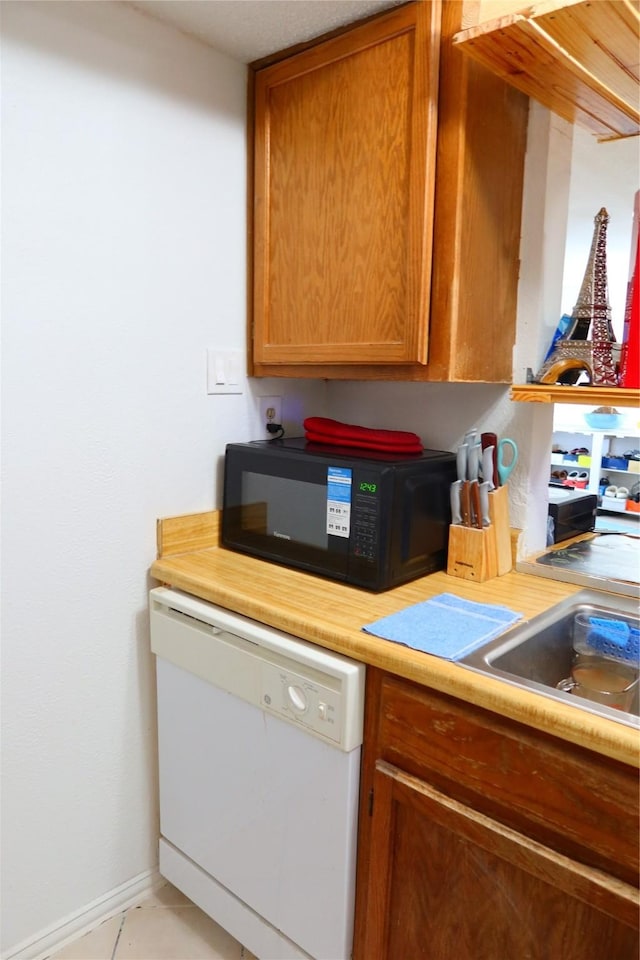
<point x="604" y="448"/>
<point x="600" y="462"/>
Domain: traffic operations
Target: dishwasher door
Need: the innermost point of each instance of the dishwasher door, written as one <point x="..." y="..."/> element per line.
<point x="253" y="789"/>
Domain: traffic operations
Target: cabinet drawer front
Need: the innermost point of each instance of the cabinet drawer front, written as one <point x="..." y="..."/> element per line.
<point x="579" y="803"/>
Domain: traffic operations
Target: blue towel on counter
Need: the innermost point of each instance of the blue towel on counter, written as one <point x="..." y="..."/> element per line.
<point x="445" y="626"/>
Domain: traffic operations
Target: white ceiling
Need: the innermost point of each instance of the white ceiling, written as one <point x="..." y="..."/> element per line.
<point x="250" y="29"/>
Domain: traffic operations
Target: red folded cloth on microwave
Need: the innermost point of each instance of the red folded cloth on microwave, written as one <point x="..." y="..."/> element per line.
<point x="324" y="430"/>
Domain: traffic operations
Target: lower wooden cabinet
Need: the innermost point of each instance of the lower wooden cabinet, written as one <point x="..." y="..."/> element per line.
<point x="481" y="839"/>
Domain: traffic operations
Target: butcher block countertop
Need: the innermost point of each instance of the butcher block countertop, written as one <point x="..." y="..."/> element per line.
<point x="332" y="615"/>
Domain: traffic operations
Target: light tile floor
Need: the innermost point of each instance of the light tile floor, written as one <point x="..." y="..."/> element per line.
<point x="165" y="926"/>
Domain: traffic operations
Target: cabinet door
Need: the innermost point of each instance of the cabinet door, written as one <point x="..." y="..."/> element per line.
<point x="449" y="883"/>
<point x="345" y="141"/>
<point x="364" y="267"/>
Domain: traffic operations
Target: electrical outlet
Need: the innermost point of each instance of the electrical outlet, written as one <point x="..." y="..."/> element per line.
<point x="270" y="412"/>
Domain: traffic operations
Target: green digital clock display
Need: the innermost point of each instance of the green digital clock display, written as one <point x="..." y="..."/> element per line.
<point x="366" y="487"/>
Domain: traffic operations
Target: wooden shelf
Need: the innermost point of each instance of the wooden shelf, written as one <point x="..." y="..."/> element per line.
<point x="577" y="57"/>
<point x="554" y="393"/>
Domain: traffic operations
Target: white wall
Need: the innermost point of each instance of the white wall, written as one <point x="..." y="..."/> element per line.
<point x="123" y="255"/>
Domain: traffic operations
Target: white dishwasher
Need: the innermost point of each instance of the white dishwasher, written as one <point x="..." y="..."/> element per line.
<point x="259" y="739"/>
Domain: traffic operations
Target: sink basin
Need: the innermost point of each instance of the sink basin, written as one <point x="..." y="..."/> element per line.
<point x="537" y="654"/>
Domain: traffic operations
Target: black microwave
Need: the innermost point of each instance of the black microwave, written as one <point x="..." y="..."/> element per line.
<point x="368" y="518"/>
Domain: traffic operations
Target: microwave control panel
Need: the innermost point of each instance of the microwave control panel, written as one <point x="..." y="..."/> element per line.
<point x="366" y="523"/>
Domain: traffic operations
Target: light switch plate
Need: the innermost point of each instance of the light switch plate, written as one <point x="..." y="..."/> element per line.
<point x="224" y="371"/>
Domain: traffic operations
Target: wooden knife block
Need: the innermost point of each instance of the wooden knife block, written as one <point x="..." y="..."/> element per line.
<point x="480" y="555"/>
<point x="472" y="553"/>
<point x="499" y="516"/>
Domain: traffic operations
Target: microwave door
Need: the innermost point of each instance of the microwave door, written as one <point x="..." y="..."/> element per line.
<point x="289" y="520"/>
<point x="285" y="508"/>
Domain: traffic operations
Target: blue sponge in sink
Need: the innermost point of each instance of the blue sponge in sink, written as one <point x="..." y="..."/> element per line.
<point x="614" y="638"/>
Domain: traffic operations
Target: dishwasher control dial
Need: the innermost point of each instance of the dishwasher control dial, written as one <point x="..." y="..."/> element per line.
<point x="302" y="699"/>
<point x="297" y="698"/>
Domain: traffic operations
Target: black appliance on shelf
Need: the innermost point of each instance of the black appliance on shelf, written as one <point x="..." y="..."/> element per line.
<point x="572" y="512"/>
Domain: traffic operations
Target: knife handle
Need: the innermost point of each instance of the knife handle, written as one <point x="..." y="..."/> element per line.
<point x="475" y="504"/>
<point x="484" y="502"/>
<point x="491" y="440"/>
<point x="465" y="503"/>
<point x="473" y="461"/>
<point x="456" y="516"/>
<point x="461" y="461"/>
<point x="470" y="437"/>
<point x="488" y="465"/>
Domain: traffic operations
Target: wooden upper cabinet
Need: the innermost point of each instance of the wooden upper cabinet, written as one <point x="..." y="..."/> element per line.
<point x="345" y="165"/>
<point x="579" y="58"/>
<point x="387" y="191"/>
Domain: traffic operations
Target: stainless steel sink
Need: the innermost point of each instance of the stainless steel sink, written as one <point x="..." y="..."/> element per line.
<point x="537" y="654"/>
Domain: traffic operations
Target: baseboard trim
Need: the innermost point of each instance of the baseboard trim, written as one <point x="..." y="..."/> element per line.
<point x="65" y="931"/>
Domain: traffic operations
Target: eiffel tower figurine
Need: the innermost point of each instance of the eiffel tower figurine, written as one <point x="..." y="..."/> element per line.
<point x="575" y="352"/>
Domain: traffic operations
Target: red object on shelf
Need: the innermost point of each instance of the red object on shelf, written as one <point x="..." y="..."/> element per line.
<point x="324" y="430"/>
<point x="630" y="357"/>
